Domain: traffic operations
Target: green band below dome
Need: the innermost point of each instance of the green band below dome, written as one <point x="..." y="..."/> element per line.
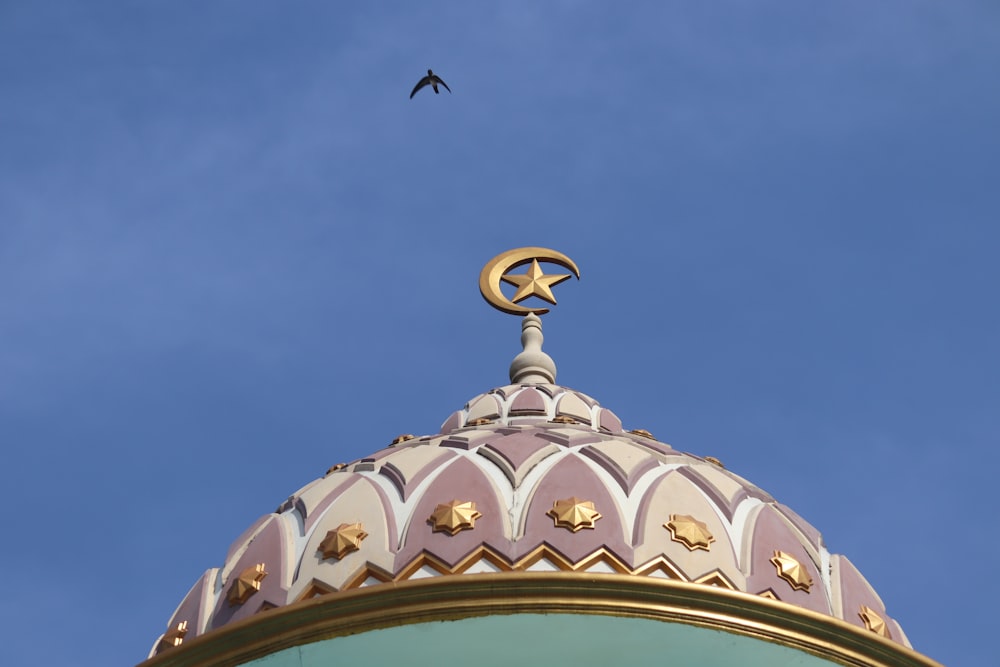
<point x="549" y="640"/>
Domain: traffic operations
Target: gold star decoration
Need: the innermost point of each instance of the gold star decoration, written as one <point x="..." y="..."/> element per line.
<point x="246" y="584"/>
<point x="341" y="541"/>
<point x="174" y="636"/>
<point x="712" y="459"/>
<point x="534" y="282"/>
<point x="689" y="531"/>
<point x="573" y="513"/>
<point x="454" y="516"/>
<point x="873" y="621"/>
<point x="791" y="571"/>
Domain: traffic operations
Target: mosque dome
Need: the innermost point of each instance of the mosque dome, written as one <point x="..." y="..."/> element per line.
<point x="533" y="510"/>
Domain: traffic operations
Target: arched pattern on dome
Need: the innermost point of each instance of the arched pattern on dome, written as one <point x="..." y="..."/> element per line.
<point x="484" y="406"/>
<point x="573" y="406"/>
<point x="725" y="489"/>
<point x="771" y="532"/>
<point x="312" y="501"/>
<point x="609" y="421"/>
<point x="572" y="478"/>
<point x="528" y="401"/>
<point x="808" y="532"/>
<point x="454" y="421"/>
<point x="626" y="465"/>
<point x="271" y="546"/>
<point x="240" y="543"/>
<point x="515" y="467"/>
<point x="463" y="481"/>
<point x="674" y="494"/>
<point x="517" y="453"/>
<point x="360" y="501"/>
<point x="852" y="592"/>
<point x="410" y="466"/>
<point x="195" y="605"/>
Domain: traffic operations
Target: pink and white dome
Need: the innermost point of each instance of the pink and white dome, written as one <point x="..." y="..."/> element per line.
<point x="528" y="477"/>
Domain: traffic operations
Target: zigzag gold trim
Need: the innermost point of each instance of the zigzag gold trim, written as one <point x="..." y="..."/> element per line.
<point x="661" y="563"/>
<point x="364" y="572"/>
<point x="315" y="590"/>
<point x="717" y="578"/>
<point x="544" y="551"/>
<point x="475" y="595"/>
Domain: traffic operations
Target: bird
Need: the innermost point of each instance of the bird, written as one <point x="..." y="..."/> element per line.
<point x="431" y="80"/>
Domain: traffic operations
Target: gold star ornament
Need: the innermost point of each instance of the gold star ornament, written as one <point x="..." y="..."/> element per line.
<point x="873" y="621"/>
<point x="573" y="514"/>
<point x="689" y="531"/>
<point x="455" y="516"/>
<point x="246" y="584"/>
<point x="341" y="541"/>
<point x="712" y="459"/>
<point x="792" y="571"/>
<point x="534" y="282"/>
<point x="174" y="636"/>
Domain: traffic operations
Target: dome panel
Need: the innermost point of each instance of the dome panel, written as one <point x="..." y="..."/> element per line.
<point x="726" y="490"/>
<point x="359" y="501"/>
<point x="483" y="407"/>
<point x="529" y="401"/>
<point x="573" y="406"/>
<point x="696" y="550"/>
<point x="558" y="515"/>
<point x="240" y="544"/>
<point x="609" y="421"/>
<point x="313" y="499"/>
<point x="516" y="454"/>
<point x="662" y="449"/>
<point x="857" y="602"/>
<point x="451" y="535"/>
<point x="190" y="614"/>
<point x="259" y="578"/>
<point x="625" y="464"/>
<point x="455" y="421"/>
<point x="780" y="562"/>
<point x="809" y="533"/>
<point x="407" y="468"/>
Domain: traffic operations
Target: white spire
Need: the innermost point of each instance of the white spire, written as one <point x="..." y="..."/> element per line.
<point x="532" y="366"/>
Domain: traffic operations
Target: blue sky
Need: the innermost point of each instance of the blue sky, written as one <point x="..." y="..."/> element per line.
<point x="233" y="253"/>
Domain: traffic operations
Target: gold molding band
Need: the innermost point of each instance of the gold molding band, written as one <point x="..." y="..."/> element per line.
<point x="463" y="596"/>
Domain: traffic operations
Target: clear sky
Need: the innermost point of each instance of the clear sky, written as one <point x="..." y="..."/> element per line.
<point x="234" y="253"/>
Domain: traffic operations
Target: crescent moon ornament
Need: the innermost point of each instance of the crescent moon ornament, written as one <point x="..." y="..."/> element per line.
<point x="534" y="282"/>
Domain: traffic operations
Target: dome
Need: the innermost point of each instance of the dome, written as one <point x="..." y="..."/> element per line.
<point x="533" y="510"/>
<point x="530" y="478"/>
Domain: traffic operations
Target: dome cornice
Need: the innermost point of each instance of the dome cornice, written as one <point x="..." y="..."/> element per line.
<point x="459" y="597"/>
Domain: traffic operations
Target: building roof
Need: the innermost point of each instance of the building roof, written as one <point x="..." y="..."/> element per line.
<point x="529" y="478"/>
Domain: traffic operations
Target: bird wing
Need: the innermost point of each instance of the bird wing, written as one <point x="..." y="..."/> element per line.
<point x="420" y="84"/>
<point x="441" y="81"/>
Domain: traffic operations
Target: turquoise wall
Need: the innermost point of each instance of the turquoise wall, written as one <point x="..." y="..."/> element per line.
<point x="543" y="639"/>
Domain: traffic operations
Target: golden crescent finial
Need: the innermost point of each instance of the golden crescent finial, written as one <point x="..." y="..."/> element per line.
<point x="532" y="283"/>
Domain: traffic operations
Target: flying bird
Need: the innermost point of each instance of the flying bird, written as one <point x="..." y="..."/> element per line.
<point x="431" y="80"/>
